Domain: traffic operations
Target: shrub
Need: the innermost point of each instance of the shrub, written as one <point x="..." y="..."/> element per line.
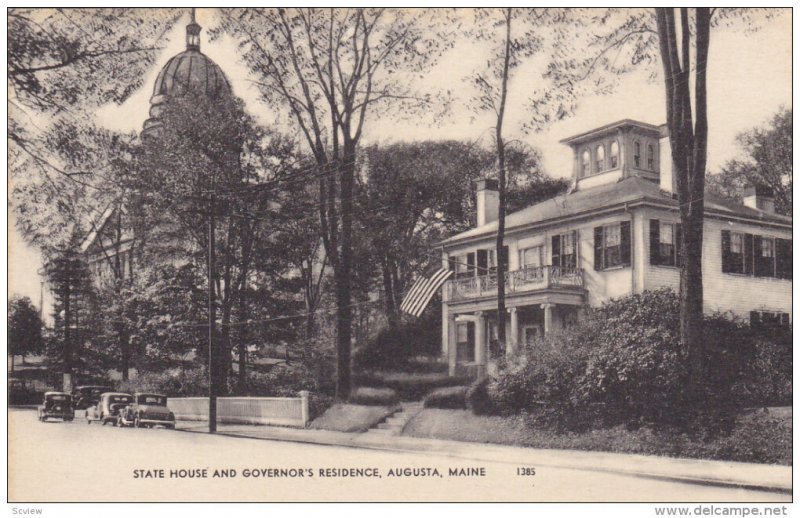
<point x="374" y="396"/>
<point x="172" y="382"/>
<point x="396" y="348"/>
<point x="447" y="397"/>
<point x="410" y="386"/>
<point x="623" y="365"/>
<point x="478" y="399"/>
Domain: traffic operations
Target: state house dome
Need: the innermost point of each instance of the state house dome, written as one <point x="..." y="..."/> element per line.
<point x="189" y="73"/>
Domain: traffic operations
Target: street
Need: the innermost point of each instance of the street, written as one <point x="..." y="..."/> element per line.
<point x="76" y="462"/>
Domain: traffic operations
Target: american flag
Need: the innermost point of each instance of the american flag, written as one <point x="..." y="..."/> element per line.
<point x="420" y="294"/>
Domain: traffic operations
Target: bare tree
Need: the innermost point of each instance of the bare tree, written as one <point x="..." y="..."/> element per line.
<point x="330" y="69"/>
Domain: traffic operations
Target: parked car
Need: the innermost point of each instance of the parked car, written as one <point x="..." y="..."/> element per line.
<point x="88" y="395"/>
<point x="147" y="410"/>
<point x="108" y="408"/>
<point x="56" y="405"/>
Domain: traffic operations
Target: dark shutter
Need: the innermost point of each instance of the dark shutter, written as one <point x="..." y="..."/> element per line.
<point x="625" y="242"/>
<point x="678" y="240"/>
<point x="451" y="263"/>
<point x="726" y="251"/>
<point x="576" y="247"/>
<point x="598" y="248"/>
<point x="556" y="251"/>
<point x="483" y="262"/>
<point x="755" y="319"/>
<point x="471" y="263"/>
<point x="748" y="254"/>
<point x="655" y="236"/>
<point x="783" y="256"/>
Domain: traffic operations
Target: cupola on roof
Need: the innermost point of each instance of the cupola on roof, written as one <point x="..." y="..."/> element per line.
<point x="189" y="73"/>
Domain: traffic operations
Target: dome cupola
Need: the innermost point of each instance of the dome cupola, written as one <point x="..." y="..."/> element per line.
<point x="189" y="73"/>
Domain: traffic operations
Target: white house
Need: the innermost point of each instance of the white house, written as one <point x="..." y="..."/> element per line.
<point x="613" y="234"/>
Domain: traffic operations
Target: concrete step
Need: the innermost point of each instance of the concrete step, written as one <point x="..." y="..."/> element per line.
<point x="382" y="431"/>
<point x="389" y="426"/>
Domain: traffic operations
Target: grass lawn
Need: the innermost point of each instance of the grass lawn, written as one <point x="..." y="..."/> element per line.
<point x="351" y="418"/>
<point x="757" y="437"/>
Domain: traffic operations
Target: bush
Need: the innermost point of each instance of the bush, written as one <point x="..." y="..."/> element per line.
<point x="396" y="348"/>
<point x="173" y="383"/>
<point x="623" y="365"/>
<point x="478" y="399"/>
<point x="447" y="397"/>
<point x="410" y="386"/>
<point x="374" y="396"/>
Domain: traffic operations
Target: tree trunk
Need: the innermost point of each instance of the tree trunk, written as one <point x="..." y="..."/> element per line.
<point x="342" y="275"/>
<point x="389" y="294"/>
<point x="12" y="364"/>
<point x="689" y="153"/>
<point x="502" y="260"/>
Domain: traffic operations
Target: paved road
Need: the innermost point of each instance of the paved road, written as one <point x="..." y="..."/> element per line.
<point x="75" y="462"/>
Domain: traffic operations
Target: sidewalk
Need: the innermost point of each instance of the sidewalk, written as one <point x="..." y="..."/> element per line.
<point x="763" y="477"/>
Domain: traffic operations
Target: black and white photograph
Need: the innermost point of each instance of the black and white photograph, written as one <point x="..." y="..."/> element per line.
<point x="350" y="254"/>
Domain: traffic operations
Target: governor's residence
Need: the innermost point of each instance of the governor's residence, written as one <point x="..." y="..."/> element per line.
<point x="615" y="232"/>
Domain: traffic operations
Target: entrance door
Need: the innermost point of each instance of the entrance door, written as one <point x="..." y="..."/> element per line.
<point x="465" y="342"/>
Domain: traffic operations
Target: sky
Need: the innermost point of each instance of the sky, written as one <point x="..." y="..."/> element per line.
<point x="749" y="79"/>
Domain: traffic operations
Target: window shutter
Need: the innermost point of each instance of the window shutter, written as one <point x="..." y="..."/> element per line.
<point x="471" y="263"/>
<point x="598" y="248"/>
<point x="483" y="262"/>
<point x="678" y="240"/>
<point x="762" y="266"/>
<point x="556" y="251"/>
<point x="625" y="242"/>
<point x="451" y="263"/>
<point x="726" y="251"/>
<point x="655" y="235"/>
<point x="755" y="319"/>
<point x="783" y="255"/>
<point x="748" y="254"/>
<point x="576" y="247"/>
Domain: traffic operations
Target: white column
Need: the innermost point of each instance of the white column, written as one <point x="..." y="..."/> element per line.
<point x="480" y="340"/>
<point x="451" y="344"/>
<point x="445" y="327"/>
<point x="548" y="317"/>
<point x="513" y="338"/>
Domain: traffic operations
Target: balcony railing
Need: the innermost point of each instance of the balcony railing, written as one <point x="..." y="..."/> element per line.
<point x="530" y="278"/>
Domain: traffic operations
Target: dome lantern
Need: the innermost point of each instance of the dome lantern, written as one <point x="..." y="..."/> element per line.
<point x="193" y="34"/>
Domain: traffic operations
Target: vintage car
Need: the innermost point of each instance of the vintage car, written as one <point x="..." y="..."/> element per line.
<point x="108" y="408"/>
<point x="56" y="405"/>
<point x="147" y="410"/>
<point x="88" y="395"/>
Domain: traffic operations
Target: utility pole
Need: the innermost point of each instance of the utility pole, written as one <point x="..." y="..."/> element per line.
<point x="212" y="319"/>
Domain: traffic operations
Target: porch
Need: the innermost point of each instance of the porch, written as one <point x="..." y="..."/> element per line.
<point x="472" y="346"/>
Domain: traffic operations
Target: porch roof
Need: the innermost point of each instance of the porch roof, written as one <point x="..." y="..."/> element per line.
<point x="628" y="190"/>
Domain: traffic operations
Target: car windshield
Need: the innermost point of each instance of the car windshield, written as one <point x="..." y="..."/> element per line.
<point x="152" y="400"/>
<point x="120" y="399"/>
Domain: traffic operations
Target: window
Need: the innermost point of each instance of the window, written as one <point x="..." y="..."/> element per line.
<point x="586" y="163"/>
<point x="564" y="250"/>
<point x="756" y="255"/>
<point x="490" y="263"/>
<point x="651" y="158"/>
<point x="612" y="245"/>
<point x="463" y="265"/>
<point x="531" y="257"/>
<point x="665" y="241"/>
<point x="614" y="157"/>
<point x="600" y="158"/>
<point x="765" y="319"/>
<point x="637" y="155"/>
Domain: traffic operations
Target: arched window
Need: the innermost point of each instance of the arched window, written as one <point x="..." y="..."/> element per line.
<point x="637" y="155"/>
<point x="651" y="158"/>
<point x="614" y="157"/>
<point x="586" y="163"/>
<point x="600" y="158"/>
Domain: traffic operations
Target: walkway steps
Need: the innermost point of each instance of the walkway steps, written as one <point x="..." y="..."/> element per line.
<point x="394" y="424"/>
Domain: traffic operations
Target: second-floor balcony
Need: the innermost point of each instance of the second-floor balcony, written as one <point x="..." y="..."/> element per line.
<point x="531" y="278"/>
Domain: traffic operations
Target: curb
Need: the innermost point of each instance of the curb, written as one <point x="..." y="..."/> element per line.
<point x="404" y="444"/>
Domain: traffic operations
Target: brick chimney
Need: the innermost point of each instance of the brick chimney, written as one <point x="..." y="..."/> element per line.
<point x="488" y="201"/>
<point x="759" y="197"/>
